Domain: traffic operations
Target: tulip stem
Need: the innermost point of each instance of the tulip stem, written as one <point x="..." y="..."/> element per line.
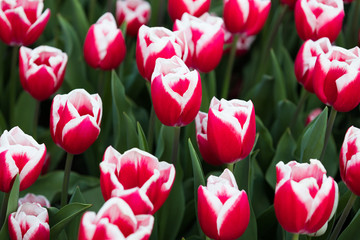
<point x="329" y="128"/>
<point x="36" y="118"/>
<point x="343" y="217"/>
<point x="175" y="145"/>
<point x="13" y="83"/>
<point x="64" y="193"/>
<point x="150" y="137"/>
<point x="304" y="95"/>
<point x="91" y="12"/>
<point x="4" y="208"/>
<point x="229" y="68"/>
<point x="230" y="166"/>
<point x="295" y="236"/>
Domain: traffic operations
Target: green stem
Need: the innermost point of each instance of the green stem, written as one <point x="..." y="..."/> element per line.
<point x="249" y="191"/>
<point x="13" y="82"/>
<point x="304" y="95"/>
<point x="329" y="128"/>
<point x="354" y="24"/>
<point x="229" y="68"/>
<point x="64" y="193"/>
<point x="176" y="141"/>
<point x="230" y="166"/>
<point x="150" y="135"/>
<point x="91" y="11"/>
<point x="4" y="208"/>
<point x="36" y="118"/>
<point x="343" y="217"/>
<point x="295" y="236"/>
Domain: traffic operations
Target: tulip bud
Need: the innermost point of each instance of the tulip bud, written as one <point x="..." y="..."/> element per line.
<point x="177" y="8"/>
<point x="223" y="210"/>
<point x="115" y="220"/>
<point x="134" y="12"/>
<point x="175" y="92"/>
<point x="315" y="19"/>
<point x="104" y="45"/>
<point x="305" y="198"/>
<point x="30" y="221"/>
<point x="19" y="154"/>
<point x="137" y="177"/>
<point x="42" y="70"/>
<point x="75" y="120"/>
<point x="21" y="21"/>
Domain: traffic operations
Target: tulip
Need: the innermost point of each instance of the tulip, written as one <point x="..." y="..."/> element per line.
<point x="336" y="78"/>
<point x="246" y="16"/>
<point x="175" y="92"/>
<point x="156" y="42"/>
<point x="134" y="12"/>
<point x="137" y="177"/>
<point x="231" y="129"/>
<point x="30" y="222"/>
<point x="243" y="44"/>
<point x="32" y="198"/>
<point x="21" y="21"/>
<point x="305" y="198"/>
<point x="315" y="19"/>
<point x="75" y="120"/>
<point x="312" y="115"/>
<point x="19" y="154"/>
<point x="177" y="8"/>
<point x="205" y="39"/>
<point x="349" y="159"/>
<point x="223" y="210"/>
<point x="104" y="45"/>
<point x="115" y="220"/>
<point x="42" y="70"/>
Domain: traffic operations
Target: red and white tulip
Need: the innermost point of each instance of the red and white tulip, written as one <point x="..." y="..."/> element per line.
<point x="32" y="198"/>
<point x="177" y="8"/>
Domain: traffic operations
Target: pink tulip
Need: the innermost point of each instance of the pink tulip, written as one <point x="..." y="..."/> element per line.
<point x="134" y="12"/>
<point x="177" y="8"/>
<point x="315" y="19"/>
<point x="312" y="115"/>
<point x="30" y="222"/>
<point x="243" y="44"/>
<point x="223" y="210"/>
<point x="42" y="70"/>
<point x="305" y="198"/>
<point x="205" y="39"/>
<point x="246" y="16"/>
<point x="336" y="78"/>
<point x="175" y="92"/>
<point x="75" y="120"/>
<point x="19" y="154"/>
<point x="136" y="177"/>
<point x="32" y="198"/>
<point x="21" y="21"/>
<point x="104" y="45"/>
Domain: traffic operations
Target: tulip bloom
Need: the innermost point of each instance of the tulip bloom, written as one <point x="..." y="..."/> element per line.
<point x="175" y="92"/>
<point x="21" y="21"/>
<point x="115" y="220"/>
<point x="177" y="8"/>
<point x="32" y="198"/>
<point x="104" y="45"/>
<point x="246" y="16"/>
<point x="42" y="70"/>
<point x="243" y="44"/>
<point x="223" y="210"/>
<point x="306" y="59"/>
<point x="205" y="39"/>
<point x="305" y="198"/>
<point x="315" y="19"/>
<point x="134" y="12"/>
<point x="156" y="42"/>
<point x="75" y="120"/>
<point x="19" y="154"/>
<point x="349" y="159"/>
<point x="336" y="78"/>
<point x="136" y="177"/>
<point x="30" y="221"/>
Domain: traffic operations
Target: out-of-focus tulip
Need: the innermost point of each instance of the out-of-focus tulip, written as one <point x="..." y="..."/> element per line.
<point x="175" y="92"/>
<point x="19" y="154"/>
<point x="136" y="177"/>
<point x="336" y="78"/>
<point x="246" y="16"/>
<point x="75" y="120"/>
<point x="104" y="45"/>
<point x="205" y="39"/>
<point x="243" y="44"/>
<point x="21" y="21"/>
<point x="349" y="160"/>
<point x="115" y="220"/>
<point x="134" y="12"/>
<point x="156" y="42"/>
<point x="30" y="221"/>
<point x="177" y="8"/>
<point x="42" y="70"/>
<point x="305" y="198"/>
<point x="223" y="210"/>
<point x="306" y="59"/>
<point x="32" y="198"/>
<point x="315" y="19"/>
<point x="312" y="115"/>
<point x="231" y="129"/>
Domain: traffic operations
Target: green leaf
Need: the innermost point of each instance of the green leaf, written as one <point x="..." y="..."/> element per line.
<point x="279" y="87"/>
<point x="95" y="197"/>
<point x="143" y="144"/>
<point x="131" y="134"/>
<point x="291" y="83"/>
<point x="72" y="229"/>
<point x="78" y="18"/>
<point x="268" y="223"/>
<point x="24" y="112"/>
<point x="352" y="231"/>
<point x="265" y="144"/>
